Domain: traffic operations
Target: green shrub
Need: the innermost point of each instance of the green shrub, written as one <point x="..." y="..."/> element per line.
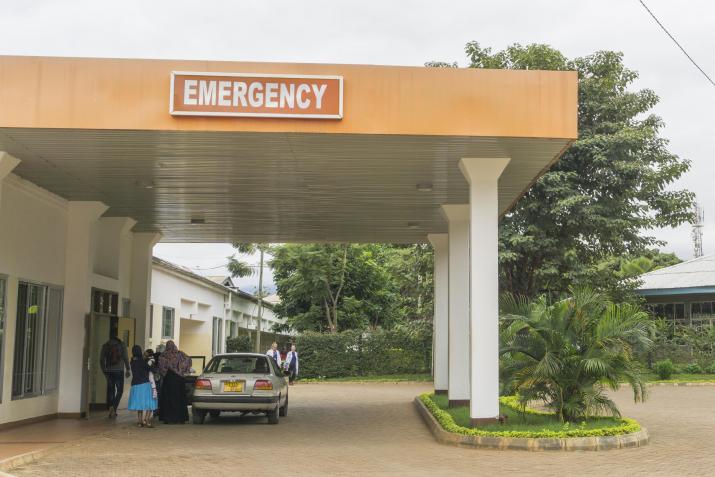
<point x="446" y="420"/>
<point x="692" y="368"/>
<point x="664" y="369"/>
<point x="239" y="344"/>
<point x="357" y="353"/>
<point x="710" y="369"/>
<point x="567" y="353"/>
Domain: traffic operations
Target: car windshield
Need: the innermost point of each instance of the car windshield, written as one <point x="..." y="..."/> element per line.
<point x="239" y="364"/>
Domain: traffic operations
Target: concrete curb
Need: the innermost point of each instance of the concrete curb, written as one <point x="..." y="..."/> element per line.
<point x="636" y="439"/>
<point x="685" y="383"/>
<point x="22" y="459"/>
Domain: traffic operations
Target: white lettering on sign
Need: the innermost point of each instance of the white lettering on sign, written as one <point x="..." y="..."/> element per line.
<point x="232" y="94"/>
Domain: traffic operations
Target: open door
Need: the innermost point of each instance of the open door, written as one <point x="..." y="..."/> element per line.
<point x="97" y="332"/>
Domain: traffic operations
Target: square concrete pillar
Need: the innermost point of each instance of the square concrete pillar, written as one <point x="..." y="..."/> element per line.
<point x="7" y="164"/>
<point x="483" y="177"/>
<point x="79" y="255"/>
<point x="440" y="334"/>
<point x="140" y="283"/>
<point x="458" y="218"/>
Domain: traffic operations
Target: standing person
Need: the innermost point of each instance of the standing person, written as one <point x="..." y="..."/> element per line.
<point x="142" y="395"/>
<point x="273" y="353"/>
<point x="157" y="376"/>
<point x="291" y="364"/>
<point x="173" y="366"/>
<point x="114" y="361"/>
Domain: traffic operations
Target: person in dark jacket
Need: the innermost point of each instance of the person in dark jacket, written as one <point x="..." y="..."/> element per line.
<point x="142" y="395"/>
<point x="114" y="361"/>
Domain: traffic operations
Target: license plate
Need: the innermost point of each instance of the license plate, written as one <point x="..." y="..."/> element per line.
<point x="233" y="386"/>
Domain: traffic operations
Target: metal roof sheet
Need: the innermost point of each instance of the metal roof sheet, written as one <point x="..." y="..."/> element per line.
<point x="699" y="272"/>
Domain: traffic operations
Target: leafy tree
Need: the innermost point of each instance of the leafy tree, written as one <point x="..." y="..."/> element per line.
<point x="332" y="287"/>
<point x="239" y="268"/>
<point x="609" y="187"/>
<point x="569" y="352"/>
<point x="411" y="268"/>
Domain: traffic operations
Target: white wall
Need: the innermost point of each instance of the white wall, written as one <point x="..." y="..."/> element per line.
<point x="28" y="217"/>
<point x="37" y="239"/>
<point x="193" y="302"/>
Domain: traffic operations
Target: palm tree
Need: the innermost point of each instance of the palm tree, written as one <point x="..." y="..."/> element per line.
<point x="239" y="268"/>
<point x="567" y="354"/>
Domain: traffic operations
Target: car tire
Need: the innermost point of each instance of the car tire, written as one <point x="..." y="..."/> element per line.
<point x="283" y="411"/>
<point x="198" y="416"/>
<point x="273" y="415"/>
<point x="214" y="414"/>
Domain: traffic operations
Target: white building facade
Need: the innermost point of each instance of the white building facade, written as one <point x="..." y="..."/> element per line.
<point x="201" y="313"/>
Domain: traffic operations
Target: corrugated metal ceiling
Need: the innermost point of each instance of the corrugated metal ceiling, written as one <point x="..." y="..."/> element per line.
<point x="270" y="187"/>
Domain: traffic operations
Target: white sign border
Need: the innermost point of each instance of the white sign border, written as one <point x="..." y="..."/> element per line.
<point x="255" y="115"/>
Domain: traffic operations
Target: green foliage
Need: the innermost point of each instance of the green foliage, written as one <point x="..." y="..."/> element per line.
<point x="335" y="287"/>
<point x="664" y="369"/>
<point x="612" y="184"/>
<point x="567" y="353"/>
<point x="710" y="369"/>
<point x="357" y="353"/>
<point x="239" y="344"/>
<point x="692" y="368"/>
<point x="446" y="420"/>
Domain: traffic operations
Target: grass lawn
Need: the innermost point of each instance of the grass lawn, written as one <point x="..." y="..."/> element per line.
<point x="382" y="378"/>
<point x="680" y="378"/>
<point x="522" y="422"/>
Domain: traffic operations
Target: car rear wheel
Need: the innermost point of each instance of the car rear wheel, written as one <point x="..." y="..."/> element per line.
<point x="273" y="415"/>
<point x="283" y="412"/>
<point x="214" y="414"/>
<point x="198" y="416"/>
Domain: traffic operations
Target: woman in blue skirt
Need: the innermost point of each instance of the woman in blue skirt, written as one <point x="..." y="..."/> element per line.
<point x="142" y="396"/>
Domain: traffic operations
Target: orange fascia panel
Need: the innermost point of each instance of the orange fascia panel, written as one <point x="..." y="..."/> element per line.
<point x="126" y="94"/>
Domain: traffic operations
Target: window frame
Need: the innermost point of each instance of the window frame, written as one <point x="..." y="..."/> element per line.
<point x="41" y="359"/>
<point x="164" y="309"/>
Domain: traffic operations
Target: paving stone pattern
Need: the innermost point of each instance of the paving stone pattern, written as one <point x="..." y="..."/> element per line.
<point x="374" y="429"/>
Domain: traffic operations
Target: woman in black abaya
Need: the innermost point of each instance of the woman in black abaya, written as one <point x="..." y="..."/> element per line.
<point x="173" y="366"/>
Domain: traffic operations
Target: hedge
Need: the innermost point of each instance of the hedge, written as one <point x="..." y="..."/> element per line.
<point x="446" y="420"/>
<point x="239" y="344"/>
<point x="357" y="353"/>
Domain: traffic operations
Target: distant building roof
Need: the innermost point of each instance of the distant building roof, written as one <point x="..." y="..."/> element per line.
<point x="693" y="276"/>
<point x="207" y="280"/>
<point x="224" y="280"/>
<point x="273" y="299"/>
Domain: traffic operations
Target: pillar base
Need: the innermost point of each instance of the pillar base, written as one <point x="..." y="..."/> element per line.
<point x="438" y="392"/>
<point x="484" y="421"/>
<point x="458" y="402"/>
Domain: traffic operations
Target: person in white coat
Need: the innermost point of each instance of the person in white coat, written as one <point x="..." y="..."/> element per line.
<point x="274" y="353"/>
<point x="291" y="364"/>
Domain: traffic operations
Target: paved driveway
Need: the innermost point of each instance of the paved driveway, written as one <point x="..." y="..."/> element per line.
<point x="373" y="429"/>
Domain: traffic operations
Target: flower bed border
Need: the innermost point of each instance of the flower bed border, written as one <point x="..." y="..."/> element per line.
<point x="446" y="431"/>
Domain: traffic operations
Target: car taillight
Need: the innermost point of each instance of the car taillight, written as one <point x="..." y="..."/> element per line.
<point x="203" y="384"/>
<point x="263" y="385"/>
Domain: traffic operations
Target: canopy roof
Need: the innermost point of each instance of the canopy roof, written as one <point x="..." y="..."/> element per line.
<point x="100" y="129"/>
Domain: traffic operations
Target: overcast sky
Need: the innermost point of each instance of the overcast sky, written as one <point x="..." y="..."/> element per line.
<point x="398" y="32"/>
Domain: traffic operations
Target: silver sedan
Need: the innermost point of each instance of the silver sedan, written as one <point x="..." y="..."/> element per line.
<point x="243" y="382"/>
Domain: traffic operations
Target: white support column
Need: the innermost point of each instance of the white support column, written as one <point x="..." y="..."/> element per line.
<point x="7" y="164"/>
<point x="440" y="347"/>
<point x="458" y="217"/>
<point x="140" y="282"/>
<point x="81" y="216"/>
<point x="483" y="177"/>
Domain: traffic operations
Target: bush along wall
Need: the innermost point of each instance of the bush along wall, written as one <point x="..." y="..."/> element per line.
<point x="358" y="353"/>
<point x="239" y="344"/>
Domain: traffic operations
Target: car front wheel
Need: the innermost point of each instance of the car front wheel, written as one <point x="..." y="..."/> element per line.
<point x="198" y="416"/>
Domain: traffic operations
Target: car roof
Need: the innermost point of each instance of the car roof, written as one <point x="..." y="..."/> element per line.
<point x="247" y="355"/>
